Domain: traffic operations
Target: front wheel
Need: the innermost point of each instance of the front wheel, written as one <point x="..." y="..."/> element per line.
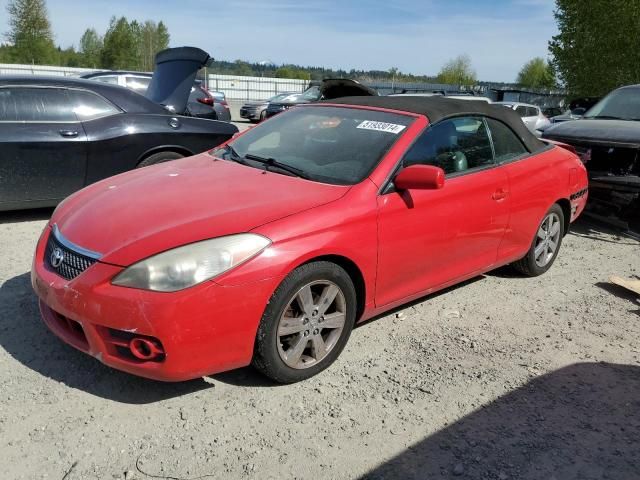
<point x="306" y="324"/>
<point x="545" y="246"/>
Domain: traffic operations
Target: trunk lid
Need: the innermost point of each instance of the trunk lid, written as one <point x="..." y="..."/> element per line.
<point x="174" y="75"/>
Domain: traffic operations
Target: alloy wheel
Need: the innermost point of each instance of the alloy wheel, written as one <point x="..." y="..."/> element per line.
<point x="547" y="239"/>
<point x="311" y="324"/>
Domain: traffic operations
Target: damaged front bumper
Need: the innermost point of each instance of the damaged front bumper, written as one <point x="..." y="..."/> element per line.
<point x="614" y="182"/>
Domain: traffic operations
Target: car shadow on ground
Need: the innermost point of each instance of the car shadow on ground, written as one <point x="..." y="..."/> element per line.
<point x="589" y="228"/>
<point x="579" y="422"/>
<point x="426" y="298"/>
<point x="25" y="337"/>
<point x="18" y="216"/>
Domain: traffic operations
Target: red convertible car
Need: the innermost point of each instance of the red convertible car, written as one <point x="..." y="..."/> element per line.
<point x="268" y="249"/>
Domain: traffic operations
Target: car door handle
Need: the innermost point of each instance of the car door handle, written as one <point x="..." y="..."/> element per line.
<point x="499" y="194"/>
<point x="69" y="133"/>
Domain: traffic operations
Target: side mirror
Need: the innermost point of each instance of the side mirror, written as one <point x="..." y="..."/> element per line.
<point x="420" y="177"/>
<point x="578" y="111"/>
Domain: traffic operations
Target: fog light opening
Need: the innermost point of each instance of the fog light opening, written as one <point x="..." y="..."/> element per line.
<point x="144" y="349"/>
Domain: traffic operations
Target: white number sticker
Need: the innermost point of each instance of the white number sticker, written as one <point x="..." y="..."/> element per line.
<point x="381" y="127"/>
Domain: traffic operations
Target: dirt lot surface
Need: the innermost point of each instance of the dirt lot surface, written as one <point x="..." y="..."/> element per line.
<point x="503" y="377"/>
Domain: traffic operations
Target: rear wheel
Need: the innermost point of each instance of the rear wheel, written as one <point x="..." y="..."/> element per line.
<point x="545" y="246"/>
<point x="159" y="157"/>
<point x="306" y="323"/>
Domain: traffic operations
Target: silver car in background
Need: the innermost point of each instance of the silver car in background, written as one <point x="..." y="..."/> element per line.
<point x="531" y="115"/>
<point x="255" y="111"/>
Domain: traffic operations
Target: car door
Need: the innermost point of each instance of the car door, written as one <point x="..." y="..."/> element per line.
<point x="44" y="149"/>
<point x="430" y="238"/>
<point x="533" y="186"/>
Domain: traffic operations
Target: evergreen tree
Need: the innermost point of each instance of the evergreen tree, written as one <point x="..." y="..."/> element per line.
<point x="30" y="32"/>
<point x="91" y="48"/>
<point x="119" y="51"/>
<point x="162" y="37"/>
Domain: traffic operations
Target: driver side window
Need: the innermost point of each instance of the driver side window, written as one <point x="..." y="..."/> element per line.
<point x="455" y="145"/>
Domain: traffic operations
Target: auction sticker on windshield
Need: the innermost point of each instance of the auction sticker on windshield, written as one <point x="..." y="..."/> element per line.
<point x="381" y="126"/>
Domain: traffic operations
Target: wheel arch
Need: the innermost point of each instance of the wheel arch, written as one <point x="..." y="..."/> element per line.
<point x="566" y="210"/>
<point x="354" y="273"/>
<point x="164" y="148"/>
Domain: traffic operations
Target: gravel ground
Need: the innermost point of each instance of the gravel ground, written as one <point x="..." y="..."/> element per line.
<point x="502" y="377"/>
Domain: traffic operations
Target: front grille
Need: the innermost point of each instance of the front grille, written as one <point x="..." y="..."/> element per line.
<point x="73" y="263"/>
<point x="606" y="159"/>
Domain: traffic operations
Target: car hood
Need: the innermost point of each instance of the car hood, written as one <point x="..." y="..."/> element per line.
<point x="173" y="77"/>
<point x="606" y="132"/>
<point x="143" y="212"/>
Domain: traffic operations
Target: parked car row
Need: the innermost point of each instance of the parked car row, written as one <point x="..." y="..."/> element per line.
<point x="532" y="115"/>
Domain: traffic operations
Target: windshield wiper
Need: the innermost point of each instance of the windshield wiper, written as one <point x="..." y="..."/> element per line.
<point x="233" y="154"/>
<point x="272" y="162"/>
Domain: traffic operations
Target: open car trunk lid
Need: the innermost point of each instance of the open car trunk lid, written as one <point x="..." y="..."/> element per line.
<point x="173" y="77"/>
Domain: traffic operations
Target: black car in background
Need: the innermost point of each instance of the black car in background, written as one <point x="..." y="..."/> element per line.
<point x="607" y="139"/>
<point x="326" y="90"/>
<point x="201" y="102"/>
<point x="59" y="134"/>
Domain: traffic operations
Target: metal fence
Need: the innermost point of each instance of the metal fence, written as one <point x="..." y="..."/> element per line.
<point x="17" y="69"/>
<point x="253" y="88"/>
<point x="260" y="88"/>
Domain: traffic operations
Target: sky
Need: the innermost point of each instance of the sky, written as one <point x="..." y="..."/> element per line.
<point x="416" y="36"/>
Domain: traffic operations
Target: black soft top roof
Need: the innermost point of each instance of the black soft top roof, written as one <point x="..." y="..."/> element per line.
<point x="437" y="108"/>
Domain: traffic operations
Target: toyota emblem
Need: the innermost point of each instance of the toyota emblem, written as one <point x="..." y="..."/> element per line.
<point x="57" y="256"/>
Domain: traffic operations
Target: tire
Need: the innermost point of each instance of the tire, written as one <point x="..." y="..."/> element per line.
<point x="294" y="343"/>
<point x="159" y="157"/>
<point x="263" y="115"/>
<point x="533" y="265"/>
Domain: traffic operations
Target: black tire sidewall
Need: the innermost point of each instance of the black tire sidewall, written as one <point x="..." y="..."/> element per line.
<point x="159" y="157"/>
<point x="266" y="356"/>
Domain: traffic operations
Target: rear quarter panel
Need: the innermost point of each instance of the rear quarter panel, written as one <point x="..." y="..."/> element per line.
<point x="537" y="182"/>
<point x="118" y="143"/>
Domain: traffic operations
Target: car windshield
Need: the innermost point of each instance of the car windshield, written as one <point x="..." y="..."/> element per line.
<point x="334" y="145"/>
<point x="311" y="94"/>
<point x="623" y="104"/>
<point x="283" y="96"/>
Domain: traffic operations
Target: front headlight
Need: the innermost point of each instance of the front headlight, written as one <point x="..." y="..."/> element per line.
<point x="191" y="264"/>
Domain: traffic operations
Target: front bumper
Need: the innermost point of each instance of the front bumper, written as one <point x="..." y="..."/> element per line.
<point x="251" y="113"/>
<point x="205" y="329"/>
